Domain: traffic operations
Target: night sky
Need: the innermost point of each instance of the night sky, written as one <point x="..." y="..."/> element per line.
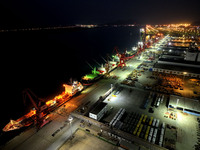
<point x="26" y="13"/>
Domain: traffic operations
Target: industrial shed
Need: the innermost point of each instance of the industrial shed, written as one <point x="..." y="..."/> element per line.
<point x="185" y="105"/>
<point x="98" y="112"/>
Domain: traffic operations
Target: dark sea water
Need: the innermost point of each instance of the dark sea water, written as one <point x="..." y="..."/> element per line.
<point x="44" y="60"/>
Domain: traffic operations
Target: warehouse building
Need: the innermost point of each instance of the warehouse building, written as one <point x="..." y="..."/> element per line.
<point x="175" y="51"/>
<point x="99" y="111"/>
<point x="181" y="62"/>
<point x="184" y="70"/>
<point x="185" y="105"/>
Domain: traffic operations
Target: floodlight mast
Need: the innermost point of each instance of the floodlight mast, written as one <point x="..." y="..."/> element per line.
<point x="70" y="121"/>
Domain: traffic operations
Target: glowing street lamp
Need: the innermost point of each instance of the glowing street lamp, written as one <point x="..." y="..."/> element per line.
<point x="184" y="73"/>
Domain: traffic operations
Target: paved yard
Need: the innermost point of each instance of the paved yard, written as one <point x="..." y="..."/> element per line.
<point x="86" y="141"/>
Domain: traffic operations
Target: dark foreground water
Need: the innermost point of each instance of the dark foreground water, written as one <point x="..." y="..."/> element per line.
<point x="44" y="60"/>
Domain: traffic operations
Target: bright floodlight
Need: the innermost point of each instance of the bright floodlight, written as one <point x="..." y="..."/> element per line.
<point x="70" y="118"/>
<point x="134" y="48"/>
<point x="142" y="30"/>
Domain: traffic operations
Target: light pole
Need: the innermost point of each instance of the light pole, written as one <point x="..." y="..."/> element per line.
<point x="70" y="121"/>
<point x="184" y="73"/>
<point x="177" y="102"/>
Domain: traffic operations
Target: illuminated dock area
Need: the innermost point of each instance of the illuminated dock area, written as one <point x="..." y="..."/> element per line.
<point x="146" y="101"/>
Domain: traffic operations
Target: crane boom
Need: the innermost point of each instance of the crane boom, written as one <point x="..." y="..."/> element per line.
<point x="40" y="116"/>
<point x="28" y="92"/>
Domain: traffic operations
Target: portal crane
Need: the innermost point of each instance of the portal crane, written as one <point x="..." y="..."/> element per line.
<point x="122" y="58"/>
<point x="39" y="105"/>
<point x="107" y="66"/>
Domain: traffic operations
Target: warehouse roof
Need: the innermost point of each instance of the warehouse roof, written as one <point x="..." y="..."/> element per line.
<point x="98" y="108"/>
<point x="185" y="103"/>
<point x="182" y="68"/>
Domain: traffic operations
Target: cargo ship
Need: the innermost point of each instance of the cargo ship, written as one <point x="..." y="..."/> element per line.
<point x="96" y="74"/>
<point x="89" y="79"/>
<point x="40" y="113"/>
